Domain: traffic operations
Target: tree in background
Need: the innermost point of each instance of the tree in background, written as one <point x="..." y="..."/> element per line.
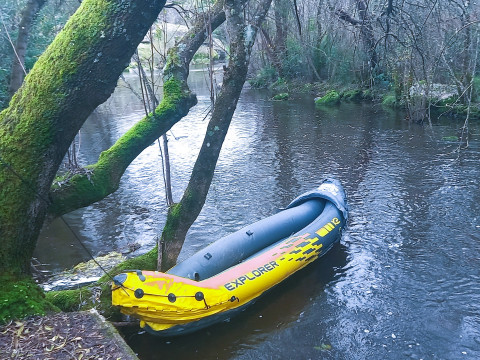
<point x="26" y="29"/>
<point x="413" y="52"/>
<point x="18" y="72"/>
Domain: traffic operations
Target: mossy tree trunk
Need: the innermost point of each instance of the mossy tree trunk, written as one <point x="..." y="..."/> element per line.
<point x="182" y="215"/>
<point x="77" y="72"/>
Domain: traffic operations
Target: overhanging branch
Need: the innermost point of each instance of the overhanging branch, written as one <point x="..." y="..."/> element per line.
<point x="103" y="178"/>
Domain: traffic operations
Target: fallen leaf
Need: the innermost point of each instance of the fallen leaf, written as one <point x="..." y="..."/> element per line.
<point x="20" y="330"/>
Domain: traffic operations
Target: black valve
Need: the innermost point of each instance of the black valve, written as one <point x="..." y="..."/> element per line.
<point x="139" y="293"/>
<point x="199" y="296"/>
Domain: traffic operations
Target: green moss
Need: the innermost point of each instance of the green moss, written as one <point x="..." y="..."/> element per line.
<point x="71" y="300"/>
<point x="171" y="224"/>
<point x="21" y="298"/>
<point x="173" y="60"/>
<point x="99" y="294"/>
<point x="355" y="95"/>
<point x="172" y="89"/>
<point x="281" y="97"/>
<point x="390" y="101"/>
<point x="99" y="180"/>
<point x="331" y="98"/>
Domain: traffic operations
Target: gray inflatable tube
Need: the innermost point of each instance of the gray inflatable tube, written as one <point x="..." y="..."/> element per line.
<point x="255" y="238"/>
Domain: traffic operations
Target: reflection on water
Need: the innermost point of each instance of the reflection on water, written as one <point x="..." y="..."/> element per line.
<point x="404" y="284"/>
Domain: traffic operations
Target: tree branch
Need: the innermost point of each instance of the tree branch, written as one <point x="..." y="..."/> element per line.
<point x="101" y="179"/>
<point x="342" y="15"/>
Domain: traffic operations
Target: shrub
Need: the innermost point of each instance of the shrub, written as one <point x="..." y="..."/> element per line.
<point x="390" y="101"/>
<point x="280" y="85"/>
<point x="264" y="78"/>
<point x="329" y="99"/>
<point x="353" y="95"/>
<point x="281" y="97"/>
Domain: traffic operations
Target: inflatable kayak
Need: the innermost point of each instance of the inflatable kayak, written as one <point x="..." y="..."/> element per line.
<point x="232" y="272"/>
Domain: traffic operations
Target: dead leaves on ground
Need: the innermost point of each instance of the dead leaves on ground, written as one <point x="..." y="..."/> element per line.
<point x="60" y="336"/>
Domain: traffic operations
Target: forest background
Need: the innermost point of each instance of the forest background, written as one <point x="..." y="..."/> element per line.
<point x="420" y="55"/>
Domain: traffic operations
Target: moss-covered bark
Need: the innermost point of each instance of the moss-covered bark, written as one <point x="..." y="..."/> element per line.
<point x="103" y="178"/>
<point x="77" y="72"/>
<point x="21" y="297"/>
<point x="182" y="215"/>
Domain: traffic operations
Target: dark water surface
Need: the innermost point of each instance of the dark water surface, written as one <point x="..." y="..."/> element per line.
<point x="403" y="284"/>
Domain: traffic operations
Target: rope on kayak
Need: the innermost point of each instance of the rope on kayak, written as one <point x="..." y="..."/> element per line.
<point x="199" y="296"/>
<point x="41" y="197"/>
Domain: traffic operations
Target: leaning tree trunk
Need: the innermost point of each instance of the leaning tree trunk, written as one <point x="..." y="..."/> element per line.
<point x="17" y="72"/>
<point x="182" y="215"/>
<point x="77" y="72"/>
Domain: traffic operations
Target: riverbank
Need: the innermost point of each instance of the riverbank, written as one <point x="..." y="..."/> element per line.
<point x="76" y="335"/>
<point x="419" y="102"/>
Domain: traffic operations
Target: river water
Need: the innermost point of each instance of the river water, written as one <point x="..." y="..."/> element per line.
<point x="403" y="283"/>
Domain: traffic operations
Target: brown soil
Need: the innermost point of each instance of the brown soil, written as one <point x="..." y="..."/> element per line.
<point x="79" y="335"/>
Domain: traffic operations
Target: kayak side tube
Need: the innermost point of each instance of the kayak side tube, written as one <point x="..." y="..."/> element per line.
<point x="169" y="304"/>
